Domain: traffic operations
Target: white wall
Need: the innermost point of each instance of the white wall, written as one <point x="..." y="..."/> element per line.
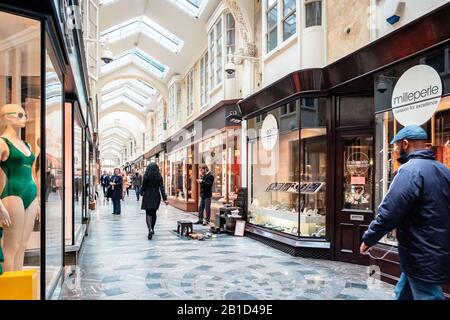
<point x="413" y="9"/>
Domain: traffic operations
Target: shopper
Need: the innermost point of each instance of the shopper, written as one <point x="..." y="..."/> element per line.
<point x="117" y="191"/>
<point x="418" y="206"/>
<point x="104" y="181"/>
<point x="136" y="181"/>
<point x="152" y="190"/>
<point x="206" y="183"/>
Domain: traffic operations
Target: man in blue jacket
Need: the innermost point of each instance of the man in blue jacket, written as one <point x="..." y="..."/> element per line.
<point x="418" y="206"/>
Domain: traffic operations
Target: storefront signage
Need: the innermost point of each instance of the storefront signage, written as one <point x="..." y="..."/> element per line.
<point x="357" y="217"/>
<point x="357" y="164"/>
<point x="269" y="132"/>
<point x="417" y="95"/>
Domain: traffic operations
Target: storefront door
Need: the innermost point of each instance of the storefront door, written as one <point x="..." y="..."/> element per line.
<point x="354" y="193"/>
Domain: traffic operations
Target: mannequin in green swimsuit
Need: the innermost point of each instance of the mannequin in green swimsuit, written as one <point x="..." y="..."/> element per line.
<point x="19" y="206"/>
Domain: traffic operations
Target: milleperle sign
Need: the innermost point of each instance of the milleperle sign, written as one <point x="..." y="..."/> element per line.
<point x="417" y="95"/>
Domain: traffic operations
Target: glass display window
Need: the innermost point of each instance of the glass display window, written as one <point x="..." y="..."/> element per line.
<point x="54" y="173"/>
<point x="273" y="150"/>
<point x="78" y="174"/>
<point x="437" y="126"/>
<point x="21" y="85"/>
<point x="288" y="166"/>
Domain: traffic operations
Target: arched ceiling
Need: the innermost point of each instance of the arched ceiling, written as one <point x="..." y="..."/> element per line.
<point x="152" y="41"/>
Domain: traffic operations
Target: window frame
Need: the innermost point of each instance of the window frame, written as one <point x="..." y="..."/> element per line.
<point x="274" y="27"/>
<point x="286" y="17"/>
<point x="321" y="13"/>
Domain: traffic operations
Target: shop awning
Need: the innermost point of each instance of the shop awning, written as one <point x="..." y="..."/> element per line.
<point x="422" y="34"/>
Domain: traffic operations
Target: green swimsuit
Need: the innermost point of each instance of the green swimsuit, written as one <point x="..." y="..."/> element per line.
<point x="18" y="171"/>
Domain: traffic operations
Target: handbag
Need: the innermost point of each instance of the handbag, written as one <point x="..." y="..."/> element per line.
<point x="109" y="190"/>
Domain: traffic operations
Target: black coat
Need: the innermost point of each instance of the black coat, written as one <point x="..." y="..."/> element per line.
<point x="151" y="193"/>
<point x="117" y="189"/>
<point x="206" y="185"/>
<point x="418" y="205"/>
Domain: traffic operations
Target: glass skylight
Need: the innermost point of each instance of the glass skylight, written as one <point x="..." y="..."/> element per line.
<point x="146" y="26"/>
<point x="143" y="87"/>
<point x="138" y="57"/>
<point x="192" y="7"/>
<point x="122" y="99"/>
<point x="129" y="92"/>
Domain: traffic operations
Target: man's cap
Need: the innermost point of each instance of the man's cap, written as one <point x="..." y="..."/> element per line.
<point x="412" y="132"/>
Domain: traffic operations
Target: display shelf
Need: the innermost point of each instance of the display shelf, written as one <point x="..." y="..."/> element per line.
<point x="279" y="214"/>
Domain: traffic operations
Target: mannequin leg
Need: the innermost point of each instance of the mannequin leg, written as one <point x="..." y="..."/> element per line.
<point x="13" y="235"/>
<point x="30" y="218"/>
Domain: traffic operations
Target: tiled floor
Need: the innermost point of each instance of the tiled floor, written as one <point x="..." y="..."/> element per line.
<point x="118" y="262"/>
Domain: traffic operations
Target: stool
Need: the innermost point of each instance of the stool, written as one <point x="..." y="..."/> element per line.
<point x="184" y="227"/>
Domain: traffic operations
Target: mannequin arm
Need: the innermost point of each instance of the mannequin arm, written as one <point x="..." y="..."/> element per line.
<point x="5" y="219"/>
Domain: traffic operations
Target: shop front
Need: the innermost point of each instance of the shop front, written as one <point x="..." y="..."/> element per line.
<point x="156" y="155"/>
<point x="319" y="159"/>
<point x="212" y="140"/>
<point x="37" y="102"/>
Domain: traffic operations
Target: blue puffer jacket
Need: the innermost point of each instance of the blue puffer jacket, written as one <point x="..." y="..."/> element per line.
<point x="418" y="205"/>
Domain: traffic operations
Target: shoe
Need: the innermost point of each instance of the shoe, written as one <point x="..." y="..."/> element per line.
<point x="205" y="223"/>
<point x="150" y="236"/>
<point x="198" y="222"/>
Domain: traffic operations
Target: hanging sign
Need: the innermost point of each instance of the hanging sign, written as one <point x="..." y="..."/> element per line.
<point x="269" y="132"/>
<point x="417" y="95"/>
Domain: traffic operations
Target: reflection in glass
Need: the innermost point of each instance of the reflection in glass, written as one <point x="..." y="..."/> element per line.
<point x="54" y="177"/>
<point x="20" y="84"/>
<point x="78" y="176"/>
<point x="358" y="166"/>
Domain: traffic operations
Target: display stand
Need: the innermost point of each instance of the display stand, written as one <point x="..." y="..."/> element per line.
<point x="19" y="285"/>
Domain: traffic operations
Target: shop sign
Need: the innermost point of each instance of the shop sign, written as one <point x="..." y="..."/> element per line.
<point x="269" y="132"/>
<point x="417" y="95"/>
<point x="358" y="164"/>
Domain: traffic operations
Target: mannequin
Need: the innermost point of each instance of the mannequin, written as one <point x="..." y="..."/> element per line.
<point x="19" y="205"/>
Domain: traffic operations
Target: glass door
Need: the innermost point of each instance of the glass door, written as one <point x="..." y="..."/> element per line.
<point x="354" y="193"/>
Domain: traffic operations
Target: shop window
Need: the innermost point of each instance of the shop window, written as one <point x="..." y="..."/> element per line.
<point x="287" y="166"/>
<point x="78" y="176"/>
<point x="54" y="173"/>
<point x="313" y="13"/>
<point x="21" y="84"/>
<point x="438" y="129"/>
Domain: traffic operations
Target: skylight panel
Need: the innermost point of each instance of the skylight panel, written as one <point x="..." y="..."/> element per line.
<point x="122" y="99"/>
<point x="141" y="86"/>
<point x="148" y="27"/>
<point x="192" y="7"/>
<point x="140" y="58"/>
<point x="128" y="92"/>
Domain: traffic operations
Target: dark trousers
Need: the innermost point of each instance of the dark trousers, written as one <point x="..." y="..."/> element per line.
<point x="138" y="190"/>
<point x="116" y="206"/>
<point x="151" y="219"/>
<point x="104" y="190"/>
<point x="205" y="205"/>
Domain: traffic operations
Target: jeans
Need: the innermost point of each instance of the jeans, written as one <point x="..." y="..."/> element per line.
<point x="151" y="220"/>
<point x="116" y="206"/>
<point x="412" y="289"/>
<point x="205" y="205"/>
<point x="138" y="190"/>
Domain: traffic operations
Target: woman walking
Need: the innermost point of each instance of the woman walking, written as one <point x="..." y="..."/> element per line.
<point x="124" y="185"/>
<point x="152" y="190"/>
<point x="116" y="185"/>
